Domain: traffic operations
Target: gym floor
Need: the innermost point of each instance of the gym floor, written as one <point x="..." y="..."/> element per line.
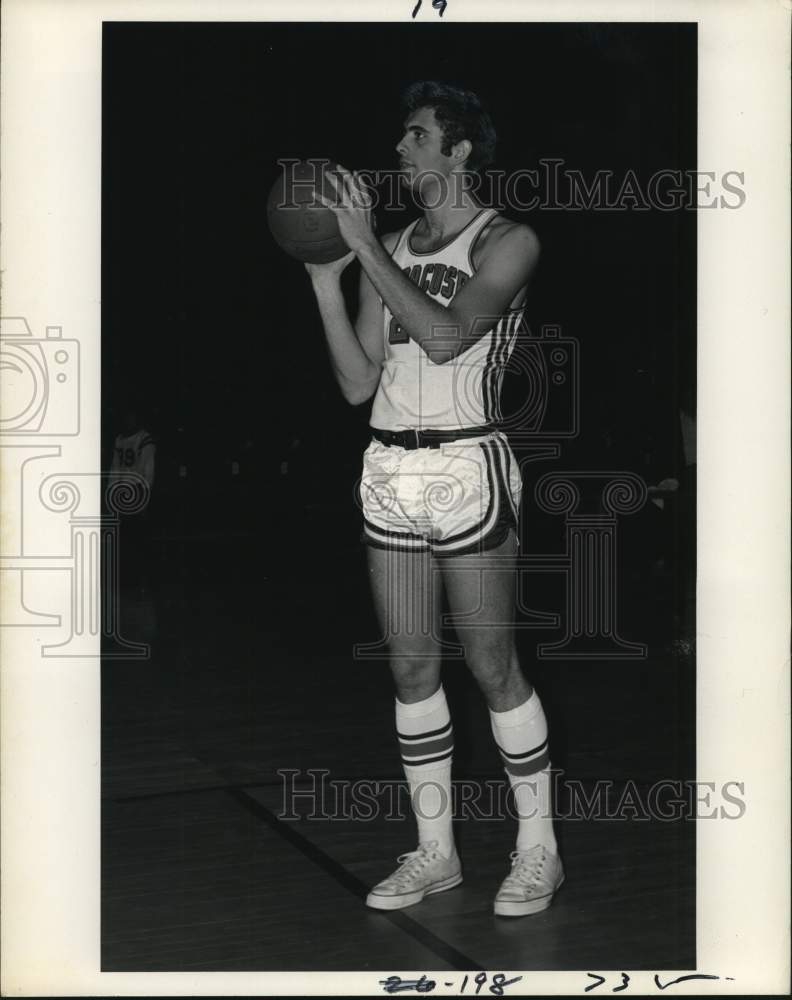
<point x="207" y="866"/>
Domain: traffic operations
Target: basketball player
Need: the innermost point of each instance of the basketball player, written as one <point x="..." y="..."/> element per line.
<point x="440" y="304"/>
<point x="134" y="451"/>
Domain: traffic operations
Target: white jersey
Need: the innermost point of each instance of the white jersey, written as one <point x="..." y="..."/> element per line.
<point x="414" y="391"/>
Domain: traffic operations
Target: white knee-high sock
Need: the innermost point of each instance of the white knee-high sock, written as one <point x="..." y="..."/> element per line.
<point x="521" y="737"/>
<point x="426" y="743"/>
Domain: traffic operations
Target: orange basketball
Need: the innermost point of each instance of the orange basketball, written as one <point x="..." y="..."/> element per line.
<point x="300" y="224"/>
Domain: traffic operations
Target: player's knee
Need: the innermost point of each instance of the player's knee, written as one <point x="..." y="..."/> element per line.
<point x="492" y="669"/>
<point x="415" y="678"/>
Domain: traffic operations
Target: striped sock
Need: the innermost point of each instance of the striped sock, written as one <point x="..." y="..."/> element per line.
<point x="426" y="743"/>
<point x="521" y="738"/>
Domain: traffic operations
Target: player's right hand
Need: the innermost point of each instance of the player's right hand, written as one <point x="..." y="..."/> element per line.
<point x="333" y="269"/>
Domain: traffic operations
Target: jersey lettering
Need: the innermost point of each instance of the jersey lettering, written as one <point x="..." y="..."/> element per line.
<point x="448" y="288"/>
<point x="437" y="278"/>
<point x="416" y="391"/>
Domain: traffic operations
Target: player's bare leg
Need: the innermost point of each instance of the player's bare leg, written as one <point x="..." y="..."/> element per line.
<point x="482" y="605"/>
<point x="407" y="593"/>
<point x="482" y="600"/>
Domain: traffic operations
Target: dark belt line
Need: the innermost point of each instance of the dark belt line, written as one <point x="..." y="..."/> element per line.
<point x="414" y="438"/>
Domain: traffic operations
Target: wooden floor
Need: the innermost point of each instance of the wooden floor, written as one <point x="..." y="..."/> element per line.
<point x="250" y="677"/>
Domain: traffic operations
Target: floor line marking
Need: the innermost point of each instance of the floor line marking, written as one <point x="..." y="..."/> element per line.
<point x="353" y="884"/>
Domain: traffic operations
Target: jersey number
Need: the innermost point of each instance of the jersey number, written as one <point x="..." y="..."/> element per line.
<point x="126" y="456"/>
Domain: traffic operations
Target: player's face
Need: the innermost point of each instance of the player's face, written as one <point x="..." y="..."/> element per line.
<point x="421" y="158"/>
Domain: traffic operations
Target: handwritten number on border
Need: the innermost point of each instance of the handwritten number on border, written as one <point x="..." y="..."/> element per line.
<point x="437" y="4"/>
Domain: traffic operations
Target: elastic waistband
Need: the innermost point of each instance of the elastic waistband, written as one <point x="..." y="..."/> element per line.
<point x="413" y="439"/>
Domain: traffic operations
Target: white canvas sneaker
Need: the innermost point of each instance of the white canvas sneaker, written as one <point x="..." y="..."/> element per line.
<point x="420" y="873"/>
<point x="535" y="877"/>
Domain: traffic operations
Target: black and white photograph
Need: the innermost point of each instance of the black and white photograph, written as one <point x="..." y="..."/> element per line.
<point x="391" y="565"/>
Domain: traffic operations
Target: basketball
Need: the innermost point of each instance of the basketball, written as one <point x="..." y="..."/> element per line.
<point x="299" y="224"/>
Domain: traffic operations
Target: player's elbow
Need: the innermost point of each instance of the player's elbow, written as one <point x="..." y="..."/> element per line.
<point x="357" y="393"/>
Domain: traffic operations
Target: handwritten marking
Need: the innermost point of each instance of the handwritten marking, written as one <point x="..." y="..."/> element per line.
<point x="682" y="979"/>
<point x="626" y="980"/>
<point x="395" y="984"/>
<point x="439" y="5"/>
<point x="500" y="982"/>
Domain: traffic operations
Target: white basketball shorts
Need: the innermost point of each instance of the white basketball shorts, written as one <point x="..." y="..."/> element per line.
<point x="459" y="498"/>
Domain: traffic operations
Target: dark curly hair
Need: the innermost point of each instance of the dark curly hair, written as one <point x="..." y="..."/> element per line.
<point x="460" y="114"/>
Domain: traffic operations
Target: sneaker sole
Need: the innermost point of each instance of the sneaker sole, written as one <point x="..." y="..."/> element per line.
<point x="380" y="902"/>
<point x="507" y="908"/>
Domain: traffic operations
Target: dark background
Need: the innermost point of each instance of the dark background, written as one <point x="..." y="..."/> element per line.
<point x="247" y="579"/>
<point x="211" y="328"/>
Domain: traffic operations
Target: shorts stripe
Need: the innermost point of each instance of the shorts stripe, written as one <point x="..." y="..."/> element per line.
<point x="506" y="454"/>
<point x="497" y="462"/>
<point x="395" y="539"/>
<point x="490" y="519"/>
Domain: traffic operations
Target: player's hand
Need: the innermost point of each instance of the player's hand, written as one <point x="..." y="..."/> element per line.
<point x="352" y="207"/>
<point x="331" y="270"/>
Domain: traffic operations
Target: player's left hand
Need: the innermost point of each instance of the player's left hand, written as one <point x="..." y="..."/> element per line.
<point x="352" y="207"/>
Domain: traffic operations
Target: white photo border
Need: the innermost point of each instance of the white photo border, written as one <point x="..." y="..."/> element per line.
<point x="51" y="119"/>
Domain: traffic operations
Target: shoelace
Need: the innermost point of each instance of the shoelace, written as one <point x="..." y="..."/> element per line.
<point x="526" y="866"/>
<point x="412" y="863"/>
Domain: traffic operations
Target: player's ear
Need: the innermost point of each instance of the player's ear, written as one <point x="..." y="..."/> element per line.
<point x="461" y="151"/>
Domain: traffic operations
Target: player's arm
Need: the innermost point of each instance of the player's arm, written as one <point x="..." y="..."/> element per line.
<point x="443" y="332"/>
<point x="356" y="350"/>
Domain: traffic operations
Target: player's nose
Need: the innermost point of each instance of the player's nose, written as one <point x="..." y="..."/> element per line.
<point x="401" y="147"/>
